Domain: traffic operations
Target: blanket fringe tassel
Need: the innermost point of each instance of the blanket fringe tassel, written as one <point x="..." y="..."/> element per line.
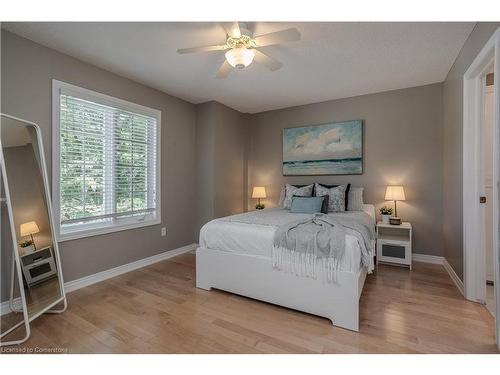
<point x="304" y="264"/>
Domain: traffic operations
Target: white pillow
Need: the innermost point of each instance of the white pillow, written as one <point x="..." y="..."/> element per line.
<point x="355" y="200"/>
<point x="290" y="191"/>
<point x="282" y="197"/>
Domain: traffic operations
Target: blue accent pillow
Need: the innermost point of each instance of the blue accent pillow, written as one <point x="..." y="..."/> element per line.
<point x="306" y="205"/>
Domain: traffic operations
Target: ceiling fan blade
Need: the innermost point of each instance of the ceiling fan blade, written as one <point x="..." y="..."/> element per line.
<point x="232" y="29"/>
<point x="287" y="35"/>
<point x="201" y="49"/>
<point x="224" y="70"/>
<point x="269" y="62"/>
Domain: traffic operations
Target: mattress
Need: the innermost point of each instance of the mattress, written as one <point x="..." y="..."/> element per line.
<point x="257" y="240"/>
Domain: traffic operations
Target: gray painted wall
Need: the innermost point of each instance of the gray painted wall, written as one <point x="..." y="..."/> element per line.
<point x="27" y="193"/>
<point x="27" y="70"/>
<point x="403" y="138"/>
<point x="205" y="151"/>
<point x="221" y="142"/>
<point x="453" y="145"/>
<point x="229" y="161"/>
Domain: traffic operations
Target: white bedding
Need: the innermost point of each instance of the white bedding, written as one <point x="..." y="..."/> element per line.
<point x="257" y="240"/>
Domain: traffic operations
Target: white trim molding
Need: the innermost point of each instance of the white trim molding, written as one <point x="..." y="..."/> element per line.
<point x="424" y="258"/>
<point x="73" y="285"/>
<point x="83" y="230"/>
<point x="458" y="282"/>
<point x="5" y="306"/>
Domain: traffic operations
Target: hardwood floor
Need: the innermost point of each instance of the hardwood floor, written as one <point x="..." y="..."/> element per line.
<point x="157" y="309"/>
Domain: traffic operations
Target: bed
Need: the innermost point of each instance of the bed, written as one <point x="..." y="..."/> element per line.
<point x="236" y="257"/>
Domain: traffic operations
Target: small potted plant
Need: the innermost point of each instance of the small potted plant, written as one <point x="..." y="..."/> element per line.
<point x="27" y="247"/>
<point x="386" y="213"/>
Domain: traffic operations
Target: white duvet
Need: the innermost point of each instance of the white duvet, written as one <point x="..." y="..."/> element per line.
<point x="257" y="240"/>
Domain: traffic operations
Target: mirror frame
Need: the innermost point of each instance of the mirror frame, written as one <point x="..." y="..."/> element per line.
<point x="16" y="261"/>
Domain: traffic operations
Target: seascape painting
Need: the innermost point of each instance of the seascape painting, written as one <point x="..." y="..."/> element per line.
<point x="328" y="149"/>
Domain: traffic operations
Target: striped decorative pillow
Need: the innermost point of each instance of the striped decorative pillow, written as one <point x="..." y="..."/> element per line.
<point x="355" y="202"/>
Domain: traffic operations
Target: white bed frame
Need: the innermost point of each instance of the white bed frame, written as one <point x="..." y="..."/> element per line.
<point x="254" y="277"/>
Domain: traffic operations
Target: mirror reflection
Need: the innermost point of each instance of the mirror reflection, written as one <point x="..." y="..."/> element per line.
<point x="33" y="235"/>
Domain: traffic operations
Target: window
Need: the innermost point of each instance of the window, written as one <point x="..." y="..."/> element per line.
<point x="106" y="155"/>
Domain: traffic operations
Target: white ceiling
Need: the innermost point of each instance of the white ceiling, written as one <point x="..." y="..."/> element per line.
<point x="331" y="61"/>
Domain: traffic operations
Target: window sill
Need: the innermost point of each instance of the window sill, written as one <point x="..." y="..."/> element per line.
<point x="63" y="237"/>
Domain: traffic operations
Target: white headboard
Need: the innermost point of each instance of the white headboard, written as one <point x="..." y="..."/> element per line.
<point x="370" y="210"/>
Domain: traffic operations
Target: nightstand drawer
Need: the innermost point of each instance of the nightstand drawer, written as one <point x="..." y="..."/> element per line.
<point x="394" y="252"/>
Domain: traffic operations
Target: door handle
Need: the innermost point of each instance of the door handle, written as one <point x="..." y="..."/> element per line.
<point x="482" y="199"/>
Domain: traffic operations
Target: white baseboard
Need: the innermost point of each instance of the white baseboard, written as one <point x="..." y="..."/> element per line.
<point x="112" y="272"/>
<point x="459" y="283"/>
<point x="73" y="285"/>
<point x="5" y="306"/>
<point x="424" y="258"/>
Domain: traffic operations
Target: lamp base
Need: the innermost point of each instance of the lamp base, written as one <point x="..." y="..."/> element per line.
<point x="395" y="220"/>
<point x="259" y="206"/>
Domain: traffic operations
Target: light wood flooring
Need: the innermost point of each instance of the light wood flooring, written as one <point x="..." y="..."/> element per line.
<point x="157" y="309"/>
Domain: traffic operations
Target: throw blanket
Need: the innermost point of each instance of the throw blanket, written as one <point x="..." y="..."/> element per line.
<point x="299" y="246"/>
<point x="303" y="240"/>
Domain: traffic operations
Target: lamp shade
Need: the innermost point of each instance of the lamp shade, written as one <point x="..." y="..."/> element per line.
<point x="259" y="192"/>
<point x="29" y="228"/>
<point x="240" y="57"/>
<point x="395" y="193"/>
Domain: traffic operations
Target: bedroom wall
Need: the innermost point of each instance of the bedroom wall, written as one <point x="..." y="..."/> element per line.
<point x="221" y="143"/>
<point x="403" y="138"/>
<point x="27" y="70"/>
<point x="452" y="146"/>
<point x="24" y="174"/>
<point x="205" y="151"/>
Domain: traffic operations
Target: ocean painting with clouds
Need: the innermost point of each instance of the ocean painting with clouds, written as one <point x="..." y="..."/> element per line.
<point x="328" y="149"/>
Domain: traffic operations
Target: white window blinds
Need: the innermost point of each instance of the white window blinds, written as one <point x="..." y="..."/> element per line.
<point x="107" y="164"/>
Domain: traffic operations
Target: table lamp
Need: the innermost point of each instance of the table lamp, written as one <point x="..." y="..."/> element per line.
<point x="29" y="229"/>
<point x="395" y="193"/>
<point x="258" y="193"/>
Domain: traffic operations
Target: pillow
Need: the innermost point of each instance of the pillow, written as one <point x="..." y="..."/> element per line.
<point x="282" y="197"/>
<point x="355" y="199"/>
<point x="324" y="206"/>
<point x="290" y="191"/>
<point x="336" y="200"/>
<point x="331" y="186"/>
<point x="306" y="205"/>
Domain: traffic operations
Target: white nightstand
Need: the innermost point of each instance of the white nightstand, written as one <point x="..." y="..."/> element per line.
<point x="394" y="243"/>
<point x="38" y="266"/>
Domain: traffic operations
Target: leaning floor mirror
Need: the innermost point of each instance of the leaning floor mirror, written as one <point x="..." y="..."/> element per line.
<point x="31" y="275"/>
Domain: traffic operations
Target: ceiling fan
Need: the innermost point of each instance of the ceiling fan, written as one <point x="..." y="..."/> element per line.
<point x="241" y="47"/>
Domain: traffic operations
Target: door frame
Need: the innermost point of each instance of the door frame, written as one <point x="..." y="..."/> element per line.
<point x="473" y="234"/>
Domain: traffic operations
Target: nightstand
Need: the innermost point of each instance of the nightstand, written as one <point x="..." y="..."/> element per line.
<point x="394" y="243"/>
<point x="38" y="266"/>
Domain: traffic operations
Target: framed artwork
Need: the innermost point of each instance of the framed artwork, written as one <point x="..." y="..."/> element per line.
<point x="327" y="149"/>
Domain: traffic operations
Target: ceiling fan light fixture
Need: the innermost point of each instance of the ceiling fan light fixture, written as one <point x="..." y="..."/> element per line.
<point x="240" y="57"/>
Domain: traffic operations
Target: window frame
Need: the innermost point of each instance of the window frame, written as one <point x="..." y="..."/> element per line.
<point x="94" y="229"/>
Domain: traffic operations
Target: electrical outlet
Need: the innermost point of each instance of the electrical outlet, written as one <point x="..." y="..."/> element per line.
<point x="163" y="231"/>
